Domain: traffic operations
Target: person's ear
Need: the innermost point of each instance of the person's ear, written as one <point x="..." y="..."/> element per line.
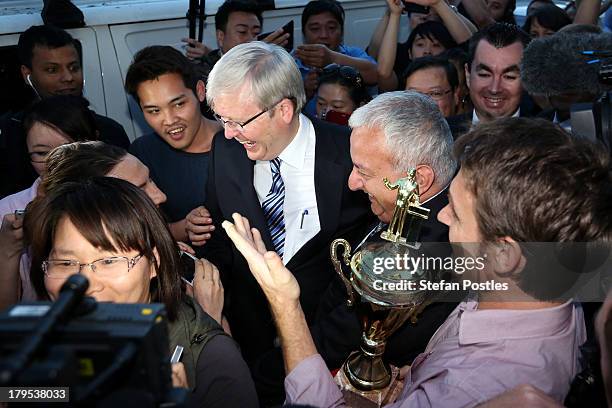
<point x="425" y="177"/>
<point x="286" y="110"/>
<point x="220" y="37"/>
<point x="467" y="75"/>
<point x="153" y="271"/>
<point x="25" y="71"/>
<point x="508" y="257"/>
<point x="201" y="90"/>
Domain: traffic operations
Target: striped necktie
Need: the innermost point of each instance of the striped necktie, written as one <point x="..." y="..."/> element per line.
<point x="273" y="208"/>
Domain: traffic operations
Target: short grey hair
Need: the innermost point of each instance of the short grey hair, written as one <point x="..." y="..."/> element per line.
<point x="415" y="131"/>
<point x="269" y="69"/>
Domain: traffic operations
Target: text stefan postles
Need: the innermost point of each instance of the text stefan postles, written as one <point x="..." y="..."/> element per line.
<point x="423" y="284"/>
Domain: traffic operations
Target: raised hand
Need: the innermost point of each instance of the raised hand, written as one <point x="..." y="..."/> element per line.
<point x="278" y="37"/>
<point x="208" y="289"/>
<point x="194" y="48"/>
<point x="277" y="282"/>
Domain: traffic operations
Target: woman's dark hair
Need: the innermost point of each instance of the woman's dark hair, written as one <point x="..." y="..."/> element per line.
<point x="113" y="215"/>
<point x="508" y="16"/>
<point x="433" y="62"/>
<point x="66" y="113"/>
<point x="316" y="7"/>
<point x="79" y="161"/>
<point x="531" y="3"/>
<point x="548" y="16"/>
<point x="434" y="30"/>
<point x="349" y="78"/>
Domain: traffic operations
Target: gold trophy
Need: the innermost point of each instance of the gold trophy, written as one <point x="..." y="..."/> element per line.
<point x="383" y="297"/>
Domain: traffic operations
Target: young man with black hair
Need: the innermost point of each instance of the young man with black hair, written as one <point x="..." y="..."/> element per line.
<point x="165" y="85"/>
<point x="236" y="22"/>
<point x="493" y="76"/>
<point x="51" y="64"/>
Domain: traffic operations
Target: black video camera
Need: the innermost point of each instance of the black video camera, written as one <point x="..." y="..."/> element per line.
<point x="107" y="354"/>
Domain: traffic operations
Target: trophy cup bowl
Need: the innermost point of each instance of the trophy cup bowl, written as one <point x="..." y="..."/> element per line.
<point x="383" y="301"/>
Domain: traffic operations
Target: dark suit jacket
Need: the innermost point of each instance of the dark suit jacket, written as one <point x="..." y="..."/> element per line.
<point x="342" y="213"/>
<point x="460" y="124"/>
<point x="337" y="331"/>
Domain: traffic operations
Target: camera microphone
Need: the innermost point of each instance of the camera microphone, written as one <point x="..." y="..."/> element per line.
<point x="559" y="64"/>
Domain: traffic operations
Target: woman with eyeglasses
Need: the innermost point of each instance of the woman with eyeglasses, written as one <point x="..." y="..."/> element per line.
<point x="341" y="90"/>
<point x="49" y="123"/>
<point x="437" y="78"/>
<point x="109" y="231"/>
<point x="68" y="162"/>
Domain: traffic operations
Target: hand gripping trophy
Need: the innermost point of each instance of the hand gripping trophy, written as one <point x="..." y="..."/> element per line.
<point x="383" y="300"/>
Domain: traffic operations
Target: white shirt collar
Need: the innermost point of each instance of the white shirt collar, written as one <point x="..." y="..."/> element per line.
<point x="476" y="119"/>
<point x="295" y="153"/>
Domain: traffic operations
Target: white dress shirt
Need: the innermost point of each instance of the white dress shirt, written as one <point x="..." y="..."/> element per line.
<point x="476" y="119"/>
<point x="297" y="171"/>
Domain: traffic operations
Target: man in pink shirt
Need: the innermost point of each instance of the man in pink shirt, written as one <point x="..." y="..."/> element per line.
<point x="508" y="191"/>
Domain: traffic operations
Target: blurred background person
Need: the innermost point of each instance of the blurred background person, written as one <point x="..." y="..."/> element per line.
<point x="323" y="44"/>
<point x="436" y="78"/>
<point x="68" y="162"/>
<point x="51" y="64"/>
<point x="341" y="90"/>
<point x="546" y="20"/>
<point x="236" y="22"/>
<point x="426" y="39"/>
<point x="49" y="123"/>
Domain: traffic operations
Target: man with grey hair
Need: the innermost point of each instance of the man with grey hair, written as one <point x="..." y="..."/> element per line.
<point x="391" y="134"/>
<point x="287" y="173"/>
<point x="395" y="132"/>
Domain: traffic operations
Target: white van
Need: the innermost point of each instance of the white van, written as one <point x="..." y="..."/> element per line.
<point x="116" y="29"/>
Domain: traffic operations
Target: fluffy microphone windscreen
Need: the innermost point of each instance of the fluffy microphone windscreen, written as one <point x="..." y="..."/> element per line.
<point x="554" y="65"/>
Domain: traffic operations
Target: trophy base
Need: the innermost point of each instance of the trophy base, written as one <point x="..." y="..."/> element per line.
<point x="355" y="398"/>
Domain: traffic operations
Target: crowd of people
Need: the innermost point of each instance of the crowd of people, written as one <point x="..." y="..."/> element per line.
<point x="259" y="158"/>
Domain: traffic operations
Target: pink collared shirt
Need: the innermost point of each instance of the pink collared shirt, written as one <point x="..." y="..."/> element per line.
<point x="474" y="356"/>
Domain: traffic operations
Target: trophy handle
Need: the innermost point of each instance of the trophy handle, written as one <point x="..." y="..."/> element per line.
<point x="346" y="253"/>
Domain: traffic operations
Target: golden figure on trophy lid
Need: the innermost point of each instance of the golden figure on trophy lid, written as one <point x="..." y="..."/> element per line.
<point x="407" y="204"/>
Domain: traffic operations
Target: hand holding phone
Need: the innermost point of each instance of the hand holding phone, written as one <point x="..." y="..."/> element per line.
<point x="188" y="272"/>
<point x="194" y="49"/>
<point x="411" y="7"/>
<point x="282" y="36"/>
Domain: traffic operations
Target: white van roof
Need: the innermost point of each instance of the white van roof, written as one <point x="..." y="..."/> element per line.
<point x="17" y="15"/>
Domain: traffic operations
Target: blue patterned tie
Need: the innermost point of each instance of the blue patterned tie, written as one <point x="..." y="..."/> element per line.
<point x="273" y="208"/>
